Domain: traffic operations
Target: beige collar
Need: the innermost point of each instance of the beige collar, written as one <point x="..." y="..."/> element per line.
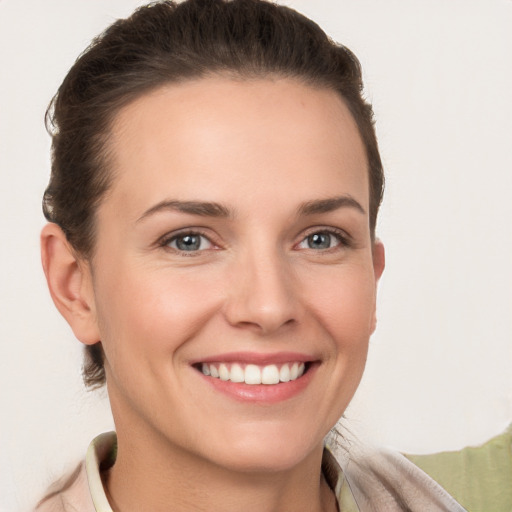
<point x="102" y="452"/>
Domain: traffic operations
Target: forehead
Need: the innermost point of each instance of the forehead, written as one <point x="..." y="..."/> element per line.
<point x="237" y="136"/>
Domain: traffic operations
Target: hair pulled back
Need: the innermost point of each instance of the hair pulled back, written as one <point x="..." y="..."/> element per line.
<point x="169" y="42"/>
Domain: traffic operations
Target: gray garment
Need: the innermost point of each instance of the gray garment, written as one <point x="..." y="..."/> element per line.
<point x="385" y="481"/>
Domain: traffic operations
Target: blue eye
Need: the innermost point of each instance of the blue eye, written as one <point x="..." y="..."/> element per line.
<point x="189" y="242"/>
<point x="321" y="240"/>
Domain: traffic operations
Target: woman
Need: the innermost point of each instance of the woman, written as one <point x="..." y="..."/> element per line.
<point x="212" y="205"/>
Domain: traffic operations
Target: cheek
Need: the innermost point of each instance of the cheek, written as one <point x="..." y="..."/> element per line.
<point x="344" y="304"/>
<point x="342" y="301"/>
<point x="153" y="309"/>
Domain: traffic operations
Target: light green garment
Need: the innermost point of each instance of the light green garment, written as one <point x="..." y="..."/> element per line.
<point x="479" y="478"/>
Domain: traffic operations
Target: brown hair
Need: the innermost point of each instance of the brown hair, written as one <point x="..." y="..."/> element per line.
<point x="169" y="42"/>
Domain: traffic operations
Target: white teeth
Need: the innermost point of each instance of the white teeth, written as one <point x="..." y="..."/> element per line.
<point x="270" y="374"/>
<point x="284" y="373"/>
<point x="237" y="373"/>
<point x="223" y="372"/>
<point x="253" y="374"/>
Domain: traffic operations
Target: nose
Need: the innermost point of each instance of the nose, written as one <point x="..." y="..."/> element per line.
<point x="262" y="294"/>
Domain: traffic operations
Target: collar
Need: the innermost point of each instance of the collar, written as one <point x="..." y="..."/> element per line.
<point x="102" y="452"/>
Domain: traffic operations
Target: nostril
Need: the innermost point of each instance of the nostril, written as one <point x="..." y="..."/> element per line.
<point x="262" y="297"/>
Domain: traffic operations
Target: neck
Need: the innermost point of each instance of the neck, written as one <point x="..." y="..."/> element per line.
<point x="153" y="475"/>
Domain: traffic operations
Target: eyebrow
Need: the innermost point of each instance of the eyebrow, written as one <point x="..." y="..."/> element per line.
<point x="204" y="209"/>
<point x="330" y="204"/>
<point x="217" y="210"/>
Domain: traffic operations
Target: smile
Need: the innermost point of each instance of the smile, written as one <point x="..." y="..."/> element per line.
<point x="253" y="374"/>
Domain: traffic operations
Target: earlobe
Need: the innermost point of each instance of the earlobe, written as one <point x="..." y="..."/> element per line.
<point x="379" y="262"/>
<point x="70" y="284"/>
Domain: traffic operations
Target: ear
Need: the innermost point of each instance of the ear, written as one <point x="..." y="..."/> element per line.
<point x="70" y="284"/>
<point x="379" y="262"/>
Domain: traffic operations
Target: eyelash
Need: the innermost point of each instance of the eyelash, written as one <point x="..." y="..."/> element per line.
<point x="166" y="240"/>
<point x="343" y="239"/>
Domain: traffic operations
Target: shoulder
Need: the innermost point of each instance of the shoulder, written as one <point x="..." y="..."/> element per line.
<point x="384" y="480"/>
<point x="68" y="494"/>
<point x="82" y="490"/>
<point x="478" y="476"/>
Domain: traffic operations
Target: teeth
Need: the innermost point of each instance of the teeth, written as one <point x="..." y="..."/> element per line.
<point x="237" y="373"/>
<point x="223" y="372"/>
<point x="270" y="375"/>
<point x="284" y="373"/>
<point x="253" y="374"/>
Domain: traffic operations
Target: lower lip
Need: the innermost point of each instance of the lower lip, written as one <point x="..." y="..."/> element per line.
<point x="262" y="393"/>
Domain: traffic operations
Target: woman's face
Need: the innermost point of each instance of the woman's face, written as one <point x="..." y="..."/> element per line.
<point x="235" y="240"/>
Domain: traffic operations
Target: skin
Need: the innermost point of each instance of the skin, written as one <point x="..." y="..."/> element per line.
<point x="263" y="150"/>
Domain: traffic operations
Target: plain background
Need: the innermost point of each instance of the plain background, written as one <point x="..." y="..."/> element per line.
<point x="439" y="372"/>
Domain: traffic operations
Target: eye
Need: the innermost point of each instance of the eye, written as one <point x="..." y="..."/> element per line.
<point x="322" y="240"/>
<point x="189" y="242"/>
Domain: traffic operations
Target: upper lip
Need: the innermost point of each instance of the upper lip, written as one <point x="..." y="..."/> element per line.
<point x="257" y="358"/>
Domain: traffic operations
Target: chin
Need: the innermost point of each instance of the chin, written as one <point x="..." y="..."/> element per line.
<point x="272" y="450"/>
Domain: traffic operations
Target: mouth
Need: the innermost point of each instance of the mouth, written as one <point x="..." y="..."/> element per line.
<point x="257" y="378"/>
<point x="254" y="374"/>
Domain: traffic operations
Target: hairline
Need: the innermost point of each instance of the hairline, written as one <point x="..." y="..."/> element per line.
<point x="106" y="153"/>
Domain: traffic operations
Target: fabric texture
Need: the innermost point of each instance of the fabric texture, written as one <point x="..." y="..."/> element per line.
<point x="362" y="480"/>
<point x="480" y="478"/>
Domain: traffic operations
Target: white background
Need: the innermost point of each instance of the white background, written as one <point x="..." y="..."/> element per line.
<point x="439" y="73"/>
